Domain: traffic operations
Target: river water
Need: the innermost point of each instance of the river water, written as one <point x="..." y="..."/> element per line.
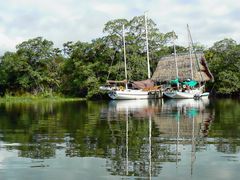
<point x="157" y="139"/>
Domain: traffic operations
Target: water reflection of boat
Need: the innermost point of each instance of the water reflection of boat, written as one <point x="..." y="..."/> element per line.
<point x="136" y="108"/>
<point x="130" y="105"/>
<point x="159" y="129"/>
<point x="164" y="113"/>
<point x="189" y="117"/>
<point x="129" y="110"/>
<point x="183" y="110"/>
<point x="188" y="103"/>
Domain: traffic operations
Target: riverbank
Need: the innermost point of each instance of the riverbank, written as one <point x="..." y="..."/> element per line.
<point x="32" y="98"/>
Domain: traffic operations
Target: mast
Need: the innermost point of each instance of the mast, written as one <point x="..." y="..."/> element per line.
<point x="148" y="64"/>
<point x="124" y="55"/>
<point x="175" y="58"/>
<point x="190" y="51"/>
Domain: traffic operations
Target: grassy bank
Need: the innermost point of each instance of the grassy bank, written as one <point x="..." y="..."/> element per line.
<point x="32" y="98"/>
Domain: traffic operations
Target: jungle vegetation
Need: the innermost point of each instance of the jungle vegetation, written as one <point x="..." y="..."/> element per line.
<point x="79" y="68"/>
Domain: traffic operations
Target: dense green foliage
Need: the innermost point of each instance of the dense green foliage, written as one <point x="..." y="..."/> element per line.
<point x="79" y="68"/>
<point x="33" y="68"/>
<point x="224" y="62"/>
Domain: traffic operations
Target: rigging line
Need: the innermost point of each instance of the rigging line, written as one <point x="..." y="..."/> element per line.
<point x="195" y="54"/>
<point x="212" y="88"/>
<point x="118" y="65"/>
<point x="109" y="71"/>
<point x="190" y="55"/>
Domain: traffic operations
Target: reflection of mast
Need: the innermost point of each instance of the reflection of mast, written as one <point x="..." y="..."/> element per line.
<point x="127" y="142"/>
<point x="178" y="124"/>
<point x="150" y="147"/>
<point x="193" y="157"/>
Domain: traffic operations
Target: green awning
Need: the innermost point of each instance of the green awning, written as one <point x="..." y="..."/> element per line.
<point x="174" y="81"/>
<point x="191" y="83"/>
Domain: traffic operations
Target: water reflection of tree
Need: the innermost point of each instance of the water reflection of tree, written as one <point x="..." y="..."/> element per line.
<point x="37" y="151"/>
<point x="42" y="128"/>
<point x="225" y="131"/>
<point x="80" y="130"/>
<point x="33" y="126"/>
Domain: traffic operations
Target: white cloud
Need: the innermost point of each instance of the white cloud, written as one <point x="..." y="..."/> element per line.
<point x="72" y="20"/>
<point x="110" y="8"/>
<point x="8" y="43"/>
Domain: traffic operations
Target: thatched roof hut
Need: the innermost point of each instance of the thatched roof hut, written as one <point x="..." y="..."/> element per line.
<point x="166" y="68"/>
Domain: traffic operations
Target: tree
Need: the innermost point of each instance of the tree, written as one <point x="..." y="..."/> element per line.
<point x="228" y="82"/>
<point x="32" y="68"/>
<point x="224" y="62"/>
<point x="135" y="35"/>
<point x="86" y="68"/>
<point x="223" y="45"/>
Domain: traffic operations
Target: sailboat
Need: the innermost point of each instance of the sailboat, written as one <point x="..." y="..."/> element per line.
<point x="189" y="89"/>
<point x="143" y="89"/>
<point x="187" y="94"/>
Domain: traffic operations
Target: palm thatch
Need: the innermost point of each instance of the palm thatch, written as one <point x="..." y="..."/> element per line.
<point x="166" y="68"/>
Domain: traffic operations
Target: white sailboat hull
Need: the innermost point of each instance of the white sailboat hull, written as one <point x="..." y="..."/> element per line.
<point x="132" y="94"/>
<point x="178" y="95"/>
<point x="128" y="94"/>
<point x="189" y="94"/>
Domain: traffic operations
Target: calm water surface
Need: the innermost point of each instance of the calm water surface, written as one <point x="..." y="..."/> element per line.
<point x="185" y="139"/>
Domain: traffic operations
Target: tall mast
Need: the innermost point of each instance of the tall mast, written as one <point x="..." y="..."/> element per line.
<point x="124" y="55"/>
<point x="175" y="55"/>
<point x="175" y="58"/>
<point x="190" y="51"/>
<point x="148" y="64"/>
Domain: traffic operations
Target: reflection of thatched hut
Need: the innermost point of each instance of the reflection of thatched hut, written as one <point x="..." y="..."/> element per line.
<point x="166" y="69"/>
<point x="168" y="125"/>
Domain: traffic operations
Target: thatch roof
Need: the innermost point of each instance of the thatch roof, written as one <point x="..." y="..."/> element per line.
<point x="166" y="68"/>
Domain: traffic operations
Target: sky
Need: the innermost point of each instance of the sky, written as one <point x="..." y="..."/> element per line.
<point x="83" y="20"/>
